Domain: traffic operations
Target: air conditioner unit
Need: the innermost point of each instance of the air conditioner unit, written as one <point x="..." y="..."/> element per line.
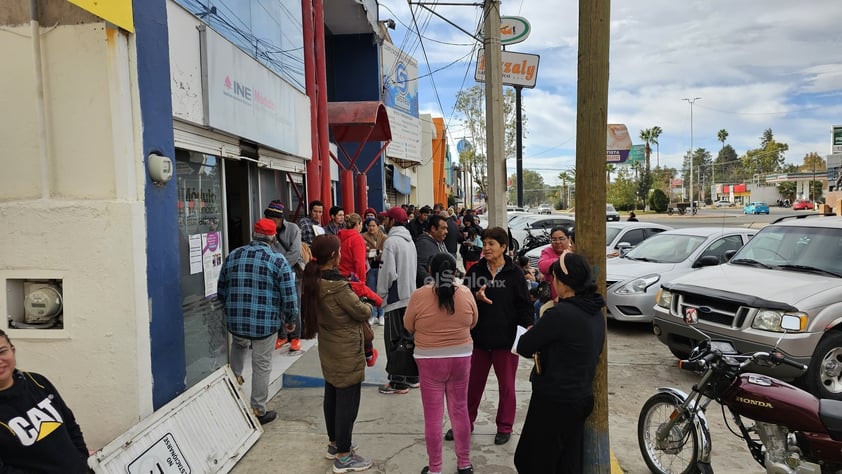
<point x="42" y="302"/>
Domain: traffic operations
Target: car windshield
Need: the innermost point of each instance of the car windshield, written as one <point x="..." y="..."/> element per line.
<point x="666" y="248"/>
<point x="610" y="233"/>
<point x="804" y="249"/>
<point x="609" y="208"/>
<point x="520" y="221"/>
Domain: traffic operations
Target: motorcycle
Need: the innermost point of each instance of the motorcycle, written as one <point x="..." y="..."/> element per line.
<point x="786" y="429"/>
<point x="532" y="242"/>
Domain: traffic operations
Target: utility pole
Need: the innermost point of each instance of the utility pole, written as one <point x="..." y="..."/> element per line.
<point x="591" y="133"/>
<point x="691" y="102"/>
<point x="519" y="145"/>
<point x="496" y="191"/>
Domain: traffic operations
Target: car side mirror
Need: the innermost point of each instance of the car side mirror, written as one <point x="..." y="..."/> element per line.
<point x="623" y="248"/>
<point x="729" y="254"/>
<point x="706" y="261"/>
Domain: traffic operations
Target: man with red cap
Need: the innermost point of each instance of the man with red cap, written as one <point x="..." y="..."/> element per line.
<point x="257" y="288"/>
<point x="395" y="282"/>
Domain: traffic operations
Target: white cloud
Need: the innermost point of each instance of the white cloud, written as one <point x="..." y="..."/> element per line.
<point x="756" y="65"/>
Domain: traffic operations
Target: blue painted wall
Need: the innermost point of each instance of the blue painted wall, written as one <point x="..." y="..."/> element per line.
<point x="166" y="328"/>
<point x="354" y="75"/>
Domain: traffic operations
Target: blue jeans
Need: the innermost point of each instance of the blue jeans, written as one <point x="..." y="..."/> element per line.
<point x="371" y="282"/>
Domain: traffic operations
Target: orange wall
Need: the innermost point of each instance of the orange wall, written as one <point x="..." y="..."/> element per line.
<point x="439" y="152"/>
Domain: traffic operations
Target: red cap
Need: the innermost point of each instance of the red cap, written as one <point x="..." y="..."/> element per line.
<point x="398" y="214"/>
<point x="265" y="227"/>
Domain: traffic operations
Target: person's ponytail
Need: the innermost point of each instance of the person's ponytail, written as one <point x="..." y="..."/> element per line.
<point x="443" y="271"/>
<point x="323" y="249"/>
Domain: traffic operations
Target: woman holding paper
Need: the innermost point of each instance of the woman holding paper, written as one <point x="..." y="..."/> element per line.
<point x="499" y="287"/>
<point x="441" y="314"/>
<point x="565" y="343"/>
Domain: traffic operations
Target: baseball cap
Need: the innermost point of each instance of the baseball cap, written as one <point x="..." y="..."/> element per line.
<point x="398" y="214"/>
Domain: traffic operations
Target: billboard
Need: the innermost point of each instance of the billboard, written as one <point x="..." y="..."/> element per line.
<point x="619" y="143"/>
<point x="400" y="96"/>
<point x="837" y="139"/>
<point x="519" y="69"/>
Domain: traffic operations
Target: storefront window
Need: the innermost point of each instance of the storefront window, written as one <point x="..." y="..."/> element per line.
<point x="201" y="247"/>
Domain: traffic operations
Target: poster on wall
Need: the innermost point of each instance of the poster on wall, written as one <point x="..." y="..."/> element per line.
<point x="211" y="260"/>
<point x="399" y="73"/>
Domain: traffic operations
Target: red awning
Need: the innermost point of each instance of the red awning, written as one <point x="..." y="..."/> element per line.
<point x="359" y="122"/>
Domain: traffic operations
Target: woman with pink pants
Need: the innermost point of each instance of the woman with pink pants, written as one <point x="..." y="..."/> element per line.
<point x="441" y="315"/>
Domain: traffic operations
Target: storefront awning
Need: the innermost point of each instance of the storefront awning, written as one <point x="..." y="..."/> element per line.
<point x="360" y="123"/>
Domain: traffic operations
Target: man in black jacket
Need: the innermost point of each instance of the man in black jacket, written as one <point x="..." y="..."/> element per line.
<point x="428" y="244"/>
<point x="453" y="237"/>
<point x="416" y="226"/>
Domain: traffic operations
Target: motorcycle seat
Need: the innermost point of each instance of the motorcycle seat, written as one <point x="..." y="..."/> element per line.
<point x="830" y="412"/>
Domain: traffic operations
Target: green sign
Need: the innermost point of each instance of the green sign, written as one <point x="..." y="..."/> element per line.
<point x="837" y="139"/>
<point x="637" y="154"/>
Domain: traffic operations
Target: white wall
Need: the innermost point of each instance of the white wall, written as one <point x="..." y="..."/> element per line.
<point x="423" y="191"/>
<point x="90" y="230"/>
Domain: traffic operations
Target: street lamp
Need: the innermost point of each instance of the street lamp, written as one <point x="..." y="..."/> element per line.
<point x="691" y="102"/>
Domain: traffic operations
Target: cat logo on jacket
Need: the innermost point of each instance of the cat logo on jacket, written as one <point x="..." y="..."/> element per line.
<point x="39" y="422"/>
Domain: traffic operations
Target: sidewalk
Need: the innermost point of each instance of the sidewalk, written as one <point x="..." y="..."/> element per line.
<point x="389" y="428"/>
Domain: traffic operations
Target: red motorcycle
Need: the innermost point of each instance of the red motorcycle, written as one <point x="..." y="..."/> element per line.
<point x="788" y="431"/>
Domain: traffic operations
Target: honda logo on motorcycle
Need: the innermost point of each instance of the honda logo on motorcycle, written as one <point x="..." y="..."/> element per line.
<point x="758" y="403"/>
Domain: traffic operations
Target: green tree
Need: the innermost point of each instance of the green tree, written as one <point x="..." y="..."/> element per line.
<point x="644" y="184"/>
<point x="533" y="188"/>
<point x="621" y="192"/>
<point x="471" y="104"/>
<point x="656" y="133"/>
<point x="649" y="137"/>
<point x="788" y="189"/>
<point x="814" y="163"/>
<point x="769" y="158"/>
<point x="567" y="178"/>
<point x="609" y="169"/>
<point x="727" y="166"/>
<point x="701" y="162"/>
<point x="659" y="201"/>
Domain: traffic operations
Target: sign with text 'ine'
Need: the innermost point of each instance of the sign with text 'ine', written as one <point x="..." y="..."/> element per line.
<point x="519" y="69"/>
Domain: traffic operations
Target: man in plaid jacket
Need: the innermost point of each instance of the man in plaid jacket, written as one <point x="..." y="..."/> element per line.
<point x="257" y="287"/>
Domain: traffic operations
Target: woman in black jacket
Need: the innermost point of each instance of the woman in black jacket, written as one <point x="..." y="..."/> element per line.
<point x="503" y="303"/>
<point x="565" y="343"/>
<point x="40" y="432"/>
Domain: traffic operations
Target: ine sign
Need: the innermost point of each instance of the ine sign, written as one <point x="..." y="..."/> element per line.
<point x="519" y="69"/>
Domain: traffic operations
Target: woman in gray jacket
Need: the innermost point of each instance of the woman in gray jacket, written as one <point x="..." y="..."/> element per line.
<point x="333" y="311"/>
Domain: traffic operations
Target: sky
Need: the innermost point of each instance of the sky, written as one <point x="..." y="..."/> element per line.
<point x="753" y="64"/>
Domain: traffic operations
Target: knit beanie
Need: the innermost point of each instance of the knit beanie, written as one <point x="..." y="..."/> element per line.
<point x="275" y="209"/>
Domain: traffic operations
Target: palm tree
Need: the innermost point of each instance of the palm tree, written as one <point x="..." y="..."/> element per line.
<point x="565" y="176"/>
<point x="656" y="132"/>
<point x="721" y="135"/>
<point x="609" y="168"/>
<point x="646" y="136"/>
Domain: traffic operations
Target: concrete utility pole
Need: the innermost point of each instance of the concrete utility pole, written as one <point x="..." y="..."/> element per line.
<point x="691" y="102"/>
<point x="494" y="134"/>
<point x="591" y="132"/>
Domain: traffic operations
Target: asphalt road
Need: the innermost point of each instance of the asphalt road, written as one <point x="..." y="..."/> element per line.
<point x="637" y="365"/>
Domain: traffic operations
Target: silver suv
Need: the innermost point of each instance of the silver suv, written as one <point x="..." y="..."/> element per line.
<point x="793" y="266"/>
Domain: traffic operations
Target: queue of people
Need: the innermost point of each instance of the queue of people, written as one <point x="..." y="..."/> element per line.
<point x="444" y="330"/>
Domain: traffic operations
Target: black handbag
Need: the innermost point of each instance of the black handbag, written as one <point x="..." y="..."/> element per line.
<point x="401" y="357"/>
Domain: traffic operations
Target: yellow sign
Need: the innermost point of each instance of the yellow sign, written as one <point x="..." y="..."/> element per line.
<point x="118" y="12"/>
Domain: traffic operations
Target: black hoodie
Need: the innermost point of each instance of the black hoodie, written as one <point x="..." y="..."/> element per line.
<point x="38" y="432"/>
<point x="510" y="306"/>
<point x="569" y="338"/>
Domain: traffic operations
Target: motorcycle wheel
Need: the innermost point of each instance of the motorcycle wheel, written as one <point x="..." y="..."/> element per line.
<point x="680" y="452"/>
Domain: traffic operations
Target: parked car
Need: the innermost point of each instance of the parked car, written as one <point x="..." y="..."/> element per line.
<point x="793" y="268"/>
<point x="802" y="205"/>
<point x="634" y="279"/>
<point x="723" y="203"/>
<point x="545" y="209"/>
<point x="756" y="207"/>
<point x="619" y="237"/>
<point x="611" y="214"/>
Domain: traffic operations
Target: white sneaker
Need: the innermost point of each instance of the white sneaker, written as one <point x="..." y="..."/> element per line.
<point x="381" y="321"/>
<point x="372" y="321"/>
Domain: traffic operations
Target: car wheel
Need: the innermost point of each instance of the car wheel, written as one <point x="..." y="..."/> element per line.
<point x="824" y="376"/>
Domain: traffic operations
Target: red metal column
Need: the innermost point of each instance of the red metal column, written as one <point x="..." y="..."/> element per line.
<point x="346" y="182"/>
<point x="314" y="185"/>
<point x="320" y="54"/>
<point x="362" y="192"/>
